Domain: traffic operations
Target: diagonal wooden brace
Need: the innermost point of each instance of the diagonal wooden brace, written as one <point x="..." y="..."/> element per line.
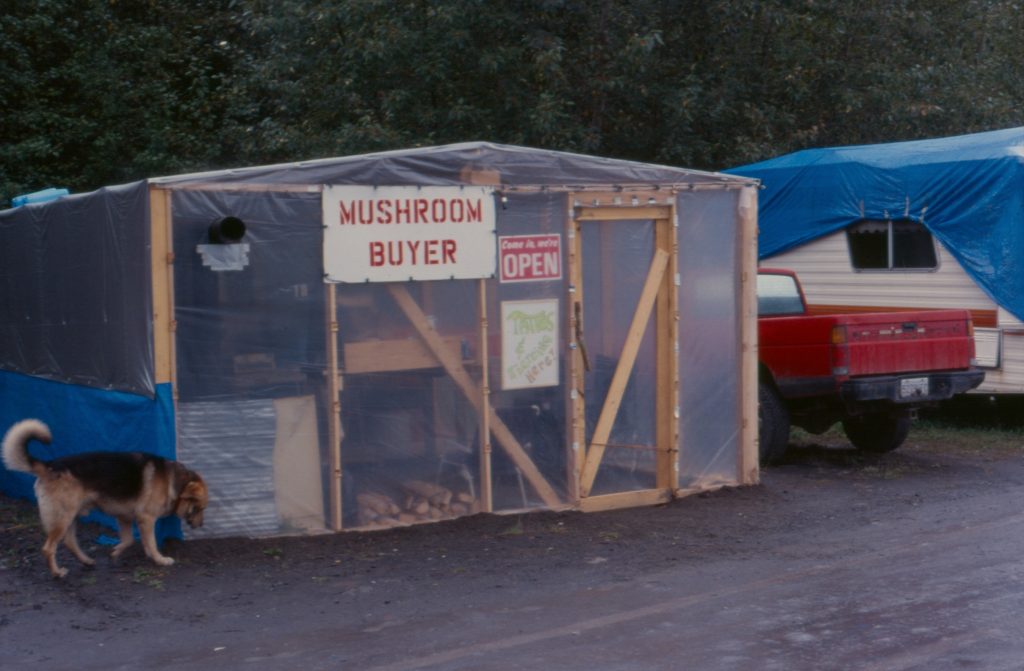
<point x="595" y="452"/>
<point x="453" y="366"/>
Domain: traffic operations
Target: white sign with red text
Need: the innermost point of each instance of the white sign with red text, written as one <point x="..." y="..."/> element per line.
<point x="529" y="343"/>
<point x="398" y="233"/>
<point x="530" y="258"/>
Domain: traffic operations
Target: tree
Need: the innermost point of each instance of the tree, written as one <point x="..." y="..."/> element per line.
<point x="106" y="91"/>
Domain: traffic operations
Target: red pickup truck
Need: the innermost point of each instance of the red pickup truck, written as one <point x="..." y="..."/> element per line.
<point x="870" y="371"/>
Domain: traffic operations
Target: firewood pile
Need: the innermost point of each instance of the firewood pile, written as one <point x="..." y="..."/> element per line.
<point x="421" y="502"/>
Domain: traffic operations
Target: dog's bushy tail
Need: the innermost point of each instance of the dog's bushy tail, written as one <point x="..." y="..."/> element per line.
<point x="15" y="446"/>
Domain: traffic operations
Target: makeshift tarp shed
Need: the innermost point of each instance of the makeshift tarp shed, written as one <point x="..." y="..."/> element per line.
<point x="397" y="337"/>
<point x="966" y="191"/>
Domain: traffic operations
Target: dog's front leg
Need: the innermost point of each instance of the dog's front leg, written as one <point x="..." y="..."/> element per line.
<point x="124" y="529"/>
<point x="147" y="530"/>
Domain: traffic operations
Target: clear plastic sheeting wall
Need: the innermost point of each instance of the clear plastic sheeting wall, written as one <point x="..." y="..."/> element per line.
<point x="709" y="350"/>
<point x="251" y="360"/>
<point x="535" y="416"/>
<point x="609" y="299"/>
<point x="255" y="412"/>
<point x="412" y="449"/>
<point x="253" y="401"/>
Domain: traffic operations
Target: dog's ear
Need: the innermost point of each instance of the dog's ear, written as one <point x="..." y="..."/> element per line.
<point x="183" y="477"/>
<point x="196" y="492"/>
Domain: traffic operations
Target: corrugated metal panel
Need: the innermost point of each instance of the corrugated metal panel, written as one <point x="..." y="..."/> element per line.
<point x="231" y="444"/>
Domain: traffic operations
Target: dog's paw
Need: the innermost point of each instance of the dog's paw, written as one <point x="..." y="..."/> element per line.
<point x="163" y="561"/>
<point x="60" y="573"/>
<point x="88" y="561"/>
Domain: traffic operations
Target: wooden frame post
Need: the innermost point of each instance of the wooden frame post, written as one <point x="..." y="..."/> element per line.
<point x="486" y="488"/>
<point x="576" y="403"/>
<point x="667" y="359"/>
<point x="334" y="435"/>
<point x="162" y="272"/>
<point x="747" y="462"/>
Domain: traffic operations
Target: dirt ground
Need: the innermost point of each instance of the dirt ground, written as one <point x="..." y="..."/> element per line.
<point x="109" y="616"/>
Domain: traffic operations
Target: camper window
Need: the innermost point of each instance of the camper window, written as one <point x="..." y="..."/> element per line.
<point x="891" y="245"/>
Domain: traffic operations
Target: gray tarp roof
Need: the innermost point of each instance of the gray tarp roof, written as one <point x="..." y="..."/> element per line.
<point x="444" y="165"/>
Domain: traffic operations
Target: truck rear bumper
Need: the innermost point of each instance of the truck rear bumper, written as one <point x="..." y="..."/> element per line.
<point x="912" y="388"/>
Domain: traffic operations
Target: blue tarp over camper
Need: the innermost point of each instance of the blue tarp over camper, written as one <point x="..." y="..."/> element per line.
<point x="967" y="190"/>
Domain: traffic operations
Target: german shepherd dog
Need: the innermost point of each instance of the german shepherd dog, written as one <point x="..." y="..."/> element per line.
<point x="130" y="486"/>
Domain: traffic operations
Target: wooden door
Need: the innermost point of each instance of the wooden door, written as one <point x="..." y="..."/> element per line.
<point x="624" y="366"/>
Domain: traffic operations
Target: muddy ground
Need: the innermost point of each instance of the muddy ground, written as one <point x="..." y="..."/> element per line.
<point x="250" y="603"/>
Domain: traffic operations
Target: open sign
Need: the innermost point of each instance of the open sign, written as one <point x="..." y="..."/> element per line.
<point x="530" y="258"/>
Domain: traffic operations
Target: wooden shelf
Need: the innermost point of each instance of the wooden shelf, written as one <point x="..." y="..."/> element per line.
<point x="380" y="356"/>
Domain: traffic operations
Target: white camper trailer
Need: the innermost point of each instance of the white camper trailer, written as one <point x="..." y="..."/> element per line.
<point x="910" y="225"/>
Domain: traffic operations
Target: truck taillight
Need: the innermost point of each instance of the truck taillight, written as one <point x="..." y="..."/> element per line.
<point x="840" y="352"/>
<point x="970" y="328"/>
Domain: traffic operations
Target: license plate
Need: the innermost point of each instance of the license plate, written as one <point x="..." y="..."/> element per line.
<point x="913" y="386"/>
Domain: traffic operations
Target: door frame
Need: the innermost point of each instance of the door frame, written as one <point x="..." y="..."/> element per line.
<point x="660" y="297"/>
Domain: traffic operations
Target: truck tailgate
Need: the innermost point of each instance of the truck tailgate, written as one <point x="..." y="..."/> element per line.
<point x="880" y="343"/>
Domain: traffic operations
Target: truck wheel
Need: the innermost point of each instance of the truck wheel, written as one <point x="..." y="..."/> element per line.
<point x="773" y="425"/>
<point x="877" y="432"/>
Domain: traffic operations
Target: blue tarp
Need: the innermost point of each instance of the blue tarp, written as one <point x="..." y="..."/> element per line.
<point x="967" y="190"/>
<point x="83" y="419"/>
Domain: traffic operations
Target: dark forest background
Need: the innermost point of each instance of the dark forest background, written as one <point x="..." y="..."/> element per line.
<point x="99" y="92"/>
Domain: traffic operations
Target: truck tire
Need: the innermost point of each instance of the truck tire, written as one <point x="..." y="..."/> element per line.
<point x="773" y="425"/>
<point x="877" y="432"/>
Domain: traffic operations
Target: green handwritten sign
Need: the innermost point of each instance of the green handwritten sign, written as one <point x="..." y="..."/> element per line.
<point x="529" y="343"/>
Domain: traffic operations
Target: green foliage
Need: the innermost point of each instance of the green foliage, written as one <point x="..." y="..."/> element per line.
<point x="106" y="91"/>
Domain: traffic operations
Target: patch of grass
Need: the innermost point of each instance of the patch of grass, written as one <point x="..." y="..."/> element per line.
<point x="514" y="530"/>
<point x="834" y="437"/>
<point x="886" y="471"/>
<point x="972" y="440"/>
<point x="17" y="515"/>
<point x="11" y="558"/>
<point x="931" y="435"/>
<point x="276" y="553"/>
<point x="148" y="577"/>
<point x="19" y="520"/>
